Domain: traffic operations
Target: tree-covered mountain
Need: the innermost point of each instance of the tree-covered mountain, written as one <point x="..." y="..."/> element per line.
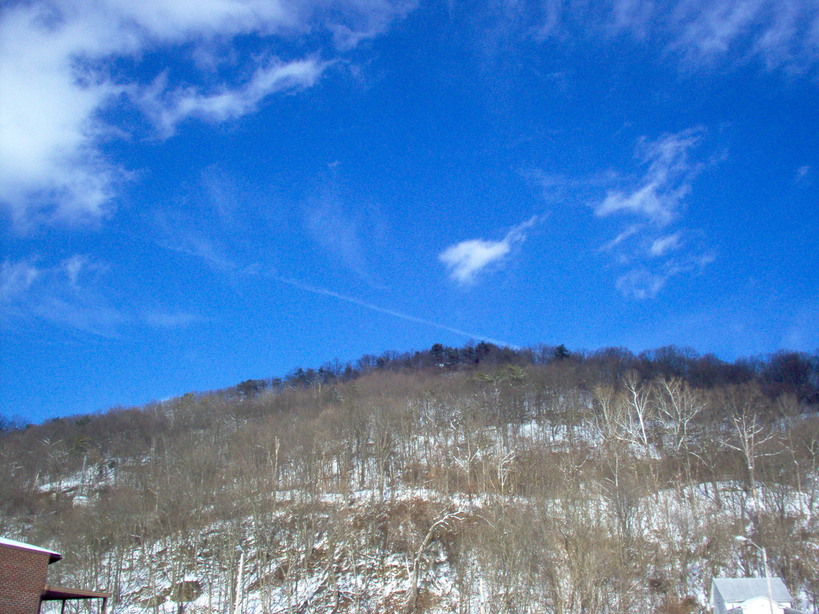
<point x="473" y="479"/>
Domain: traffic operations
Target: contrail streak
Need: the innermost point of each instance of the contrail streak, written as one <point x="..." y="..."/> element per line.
<point x="390" y="312"/>
<point x="217" y="262"/>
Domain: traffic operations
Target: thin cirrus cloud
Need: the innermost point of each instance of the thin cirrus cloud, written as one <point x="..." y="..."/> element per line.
<point x="803" y="175"/>
<point x="782" y="33"/>
<point x="168" y="110"/>
<point x="71" y="294"/>
<point x="64" y="294"/>
<point x="658" y="195"/>
<point x="466" y="260"/>
<point x="15" y="280"/>
<point x="645" y="212"/>
<point x="649" y="246"/>
<point x="58" y="64"/>
<point x="336" y="227"/>
<point x="641" y="284"/>
<point x="644" y="282"/>
<point x="666" y="244"/>
<point x="779" y="34"/>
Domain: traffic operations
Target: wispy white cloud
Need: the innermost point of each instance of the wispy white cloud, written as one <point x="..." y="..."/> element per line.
<point x="197" y="236"/>
<point x="645" y="200"/>
<point x="663" y="245"/>
<point x="58" y="65"/>
<point x="652" y="243"/>
<point x="15" y="280"/>
<point x="343" y="230"/>
<point x="643" y="282"/>
<point x="170" y="319"/>
<point x="658" y="195"/>
<point x="72" y="273"/>
<point x="779" y="34"/>
<point x="467" y="259"/>
<point x="71" y="294"/>
<point x="803" y="175"/>
<point x="365" y="19"/>
<point x="711" y="28"/>
<point x="623" y="236"/>
<point x="202" y="246"/>
<point x="167" y="110"/>
<point x="64" y="294"/>
<point x="652" y="254"/>
<point x="633" y="16"/>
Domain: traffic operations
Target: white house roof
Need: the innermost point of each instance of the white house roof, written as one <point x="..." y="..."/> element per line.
<point x="737" y="590"/>
<point x="11" y="543"/>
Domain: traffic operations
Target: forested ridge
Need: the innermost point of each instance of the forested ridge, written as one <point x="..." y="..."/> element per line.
<point x="472" y="479"/>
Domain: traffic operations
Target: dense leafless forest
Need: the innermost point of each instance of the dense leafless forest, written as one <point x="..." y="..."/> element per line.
<point x="475" y="479"/>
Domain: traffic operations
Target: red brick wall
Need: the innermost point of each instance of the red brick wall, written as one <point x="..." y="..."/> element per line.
<point x="22" y="579"/>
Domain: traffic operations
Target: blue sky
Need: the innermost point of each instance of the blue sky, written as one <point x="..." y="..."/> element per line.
<point x="194" y="194"/>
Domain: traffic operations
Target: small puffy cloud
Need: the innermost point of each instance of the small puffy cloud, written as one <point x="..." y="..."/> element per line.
<point x="467" y="259"/>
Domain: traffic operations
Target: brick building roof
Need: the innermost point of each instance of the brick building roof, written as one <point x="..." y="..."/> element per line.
<point x="53" y="557"/>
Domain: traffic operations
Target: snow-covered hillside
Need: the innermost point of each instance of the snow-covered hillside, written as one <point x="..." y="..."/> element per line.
<point x="539" y="488"/>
